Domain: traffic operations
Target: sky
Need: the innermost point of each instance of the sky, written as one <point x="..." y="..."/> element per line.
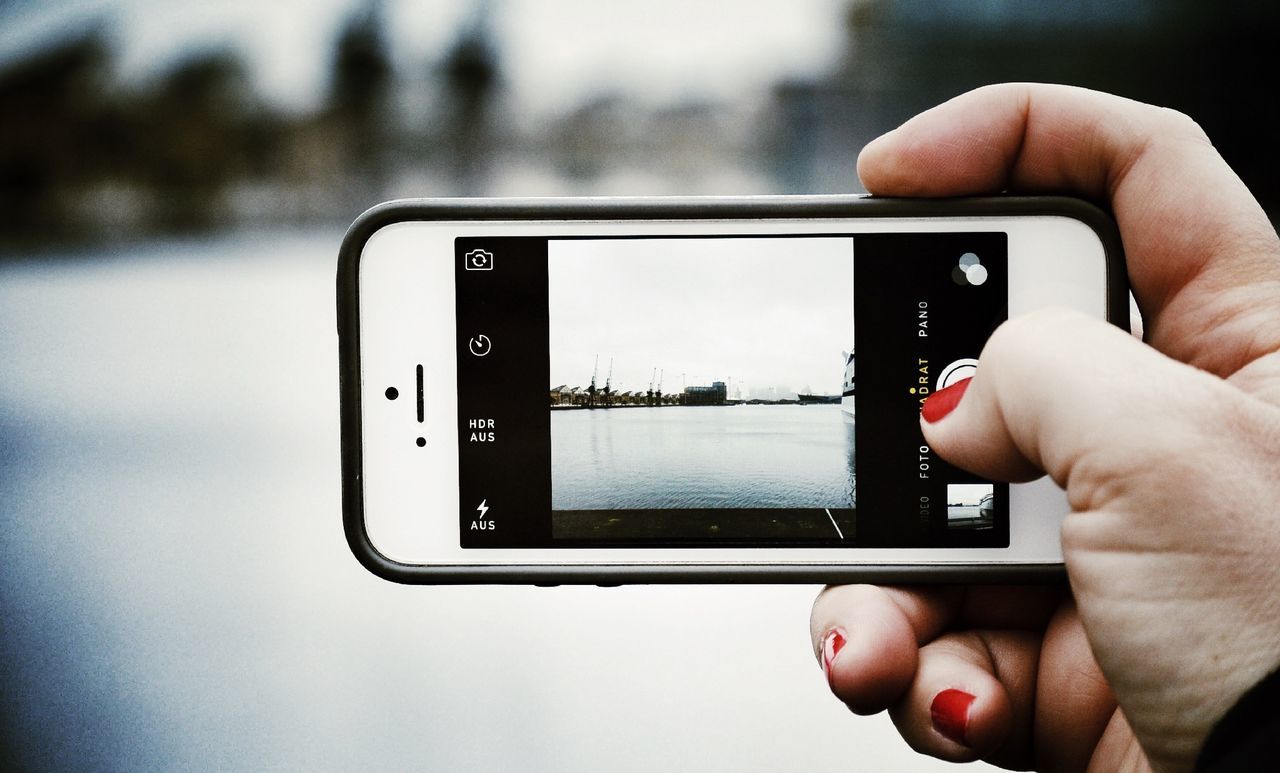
<point x="556" y="52"/>
<point x="967" y="493"/>
<point x="767" y="312"/>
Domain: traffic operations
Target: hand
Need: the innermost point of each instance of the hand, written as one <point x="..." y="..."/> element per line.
<point x="1169" y="451"/>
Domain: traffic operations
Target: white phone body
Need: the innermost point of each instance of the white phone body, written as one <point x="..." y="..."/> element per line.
<point x="405" y="509"/>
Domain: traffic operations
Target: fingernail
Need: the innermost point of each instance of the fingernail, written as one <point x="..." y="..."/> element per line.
<point x="832" y="643"/>
<point x="950" y="713"/>
<point x="943" y="401"/>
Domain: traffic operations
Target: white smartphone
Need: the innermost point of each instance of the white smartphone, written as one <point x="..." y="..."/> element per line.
<point x="692" y="390"/>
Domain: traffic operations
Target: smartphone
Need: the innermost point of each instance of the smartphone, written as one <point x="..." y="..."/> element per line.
<point x="692" y="389"/>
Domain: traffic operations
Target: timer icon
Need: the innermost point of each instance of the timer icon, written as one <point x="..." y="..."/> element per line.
<point x="480" y="345"/>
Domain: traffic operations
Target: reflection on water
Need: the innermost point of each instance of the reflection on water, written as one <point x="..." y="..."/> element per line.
<point x="176" y="594"/>
<point x="749" y="456"/>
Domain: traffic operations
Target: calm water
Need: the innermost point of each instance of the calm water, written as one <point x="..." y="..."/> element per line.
<point x="702" y="456"/>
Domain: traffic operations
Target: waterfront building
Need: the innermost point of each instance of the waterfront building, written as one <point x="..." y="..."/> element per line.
<point x="716" y="394"/>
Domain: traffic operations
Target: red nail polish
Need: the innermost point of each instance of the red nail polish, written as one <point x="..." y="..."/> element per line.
<point x="950" y="713"/>
<point x="832" y="643"/>
<point x="942" y="402"/>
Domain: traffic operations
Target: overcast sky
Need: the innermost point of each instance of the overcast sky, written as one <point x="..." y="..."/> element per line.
<point x="554" y="52"/>
<point x="967" y="493"/>
<point x="770" y="312"/>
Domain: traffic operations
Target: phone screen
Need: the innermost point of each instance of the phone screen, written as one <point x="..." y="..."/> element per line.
<point x="720" y="391"/>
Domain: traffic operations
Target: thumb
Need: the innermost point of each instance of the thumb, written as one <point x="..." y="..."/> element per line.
<point x="1070" y="395"/>
<point x="1172" y="547"/>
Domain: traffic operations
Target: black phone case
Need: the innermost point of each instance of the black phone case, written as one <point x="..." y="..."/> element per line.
<point x="677" y="208"/>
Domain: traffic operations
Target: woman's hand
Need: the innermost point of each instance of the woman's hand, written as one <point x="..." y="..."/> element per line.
<point x="1169" y="451"/>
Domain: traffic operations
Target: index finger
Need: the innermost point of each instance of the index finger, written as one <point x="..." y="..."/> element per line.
<point x="1203" y="258"/>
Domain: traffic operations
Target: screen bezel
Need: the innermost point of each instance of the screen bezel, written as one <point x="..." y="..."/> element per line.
<point x="1061" y="252"/>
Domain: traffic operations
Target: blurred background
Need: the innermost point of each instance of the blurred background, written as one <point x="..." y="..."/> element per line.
<point x="175" y="178"/>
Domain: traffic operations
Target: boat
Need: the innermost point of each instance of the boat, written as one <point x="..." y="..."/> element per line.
<point x="846" y="397"/>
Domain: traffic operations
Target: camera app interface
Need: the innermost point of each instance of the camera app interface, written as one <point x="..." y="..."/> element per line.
<point x="722" y="391"/>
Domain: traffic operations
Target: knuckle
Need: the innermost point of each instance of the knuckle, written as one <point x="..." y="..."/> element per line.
<point x="1176" y="124"/>
<point x="1026" y="333"/>
<point x="833" y="601"/>
<point x="1197" y="409"/>
<point x="1177" y="459"/>
<point x="1210" y="471"/>
<point x="1252" y="427"/>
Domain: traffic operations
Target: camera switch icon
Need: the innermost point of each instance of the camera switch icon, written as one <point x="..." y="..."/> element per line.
<point x="479" y="260"/>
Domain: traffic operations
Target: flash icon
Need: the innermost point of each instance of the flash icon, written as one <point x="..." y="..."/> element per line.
<point x="483" y="523"/>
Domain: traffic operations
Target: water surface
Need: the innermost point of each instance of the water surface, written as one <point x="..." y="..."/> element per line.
<point x="744" y="456"/>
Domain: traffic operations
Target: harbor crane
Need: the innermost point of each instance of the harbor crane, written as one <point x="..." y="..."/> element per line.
<point x="591" y="390"/>
<point x="658" y="393"/>
<point x="608" y="381"/>
<point x="649" y="394"/>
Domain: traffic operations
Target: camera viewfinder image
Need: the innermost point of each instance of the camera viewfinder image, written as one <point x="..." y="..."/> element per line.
<point x="697" y="388"/>
<point x="970" y="506"/>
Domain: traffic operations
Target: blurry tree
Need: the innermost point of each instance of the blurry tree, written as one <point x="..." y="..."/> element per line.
<point x="192" y="138"/>
<point x="1214" y="61"/>
<point x="57" y="132"/>
<point x="82" y="153"/>
<point x="360" y="94"/>
<point x="586" y="138"/>
<point x="470" y="71"/>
